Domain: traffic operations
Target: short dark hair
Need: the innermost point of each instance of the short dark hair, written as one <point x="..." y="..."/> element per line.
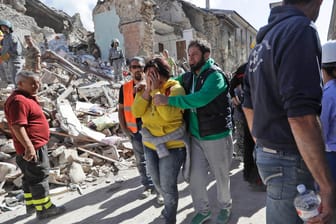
<point x="241" y="69"/>
<point x="203" y="45"/>
<point x="161" y="65"/>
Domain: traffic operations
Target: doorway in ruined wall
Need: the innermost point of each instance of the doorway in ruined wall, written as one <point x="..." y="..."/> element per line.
<point x="181" y="55"/>
<point x="181" y="50"/>
<point x="161" y="47"/>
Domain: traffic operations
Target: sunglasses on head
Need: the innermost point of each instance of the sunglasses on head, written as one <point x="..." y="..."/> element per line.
<point x="136" y="66"/>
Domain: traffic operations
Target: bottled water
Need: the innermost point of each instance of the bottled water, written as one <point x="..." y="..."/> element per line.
<point x="307" y="203"/>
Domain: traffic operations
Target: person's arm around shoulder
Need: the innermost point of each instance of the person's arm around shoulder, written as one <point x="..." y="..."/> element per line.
<point x="307" y="133"/>
<point x="213" y="86"/>
<point x="168" y="112"/>
<point x="160" y="99"/>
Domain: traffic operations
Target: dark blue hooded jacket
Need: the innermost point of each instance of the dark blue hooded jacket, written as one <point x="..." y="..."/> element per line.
<point x="283" y="76"/>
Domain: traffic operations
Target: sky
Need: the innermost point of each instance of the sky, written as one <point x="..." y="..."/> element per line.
<point x="254" y="11"/>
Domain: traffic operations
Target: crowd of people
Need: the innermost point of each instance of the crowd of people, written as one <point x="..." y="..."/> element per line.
<point x="273" y="105"/>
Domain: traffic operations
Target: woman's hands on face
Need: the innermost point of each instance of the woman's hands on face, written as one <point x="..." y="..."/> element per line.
<point x="148" y="82"/>
<point x="156" y="80"/>
<point x="153" y="79"/>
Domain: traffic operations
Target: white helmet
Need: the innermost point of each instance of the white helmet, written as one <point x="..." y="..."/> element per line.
<point x="115" y="41"/>
<point x="329" y="53"/>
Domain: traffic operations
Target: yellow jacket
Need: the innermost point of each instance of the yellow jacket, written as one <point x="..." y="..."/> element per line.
<point x="160" y="120"/>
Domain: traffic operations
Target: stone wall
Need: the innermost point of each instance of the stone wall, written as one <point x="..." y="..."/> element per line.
<point x="149" y="26"/>
<point x="22" y="24"/>
<point x="134" y="25"/>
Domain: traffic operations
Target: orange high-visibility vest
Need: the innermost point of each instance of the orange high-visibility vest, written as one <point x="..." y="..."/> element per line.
<point x="128" y="101"/>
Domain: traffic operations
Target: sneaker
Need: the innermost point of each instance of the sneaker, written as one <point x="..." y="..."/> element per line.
<point x="200" y="218"/>
<point x="159" y="199"/>
<point x="30" y="209"/>
<point x="146" y="193"/>
<point x="223" y="216"/>
<point x="50" y="212"/>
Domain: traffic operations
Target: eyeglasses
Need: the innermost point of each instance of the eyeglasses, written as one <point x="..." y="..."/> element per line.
<point x="136" y="67"/>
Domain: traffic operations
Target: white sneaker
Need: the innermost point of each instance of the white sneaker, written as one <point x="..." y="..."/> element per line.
<point x="159" y="199"/>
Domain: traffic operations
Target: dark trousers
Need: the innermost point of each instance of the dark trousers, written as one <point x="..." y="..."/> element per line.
<point x="35" y="174"/>
<point x="250" y="171"/>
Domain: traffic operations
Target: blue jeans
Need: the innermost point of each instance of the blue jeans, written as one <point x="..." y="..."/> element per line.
<point x="15" y="66"/>
<point x="138" y="149"/>
<point x="282" y="172"/>
<point x="164" y="174"/>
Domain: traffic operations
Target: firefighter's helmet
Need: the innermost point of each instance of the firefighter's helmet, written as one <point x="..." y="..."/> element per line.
<point x="4" y="22"/>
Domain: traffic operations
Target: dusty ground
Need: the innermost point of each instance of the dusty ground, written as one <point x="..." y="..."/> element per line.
<point x="116" y="203"/>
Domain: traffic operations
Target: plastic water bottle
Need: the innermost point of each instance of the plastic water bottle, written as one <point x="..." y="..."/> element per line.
<point x="307" y="203"/>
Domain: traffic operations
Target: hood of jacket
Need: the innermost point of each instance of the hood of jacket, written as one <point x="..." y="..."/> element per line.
<point x="277" y="15"/>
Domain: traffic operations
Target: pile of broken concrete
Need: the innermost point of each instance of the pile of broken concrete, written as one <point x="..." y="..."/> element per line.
<point x="80" y="102"/>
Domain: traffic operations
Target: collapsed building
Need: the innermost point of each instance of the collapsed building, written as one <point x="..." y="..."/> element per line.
<point x="78" y="95"/>
<point x="78" y="98"/>
<point x="148" y="27"/>
<point x="32" y="17"/>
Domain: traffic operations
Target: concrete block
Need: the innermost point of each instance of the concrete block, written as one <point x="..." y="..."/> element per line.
<point x="76" y="173"/>
<point x="67" y="156"/>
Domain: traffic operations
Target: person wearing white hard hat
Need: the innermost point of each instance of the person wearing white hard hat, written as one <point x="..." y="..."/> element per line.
<point x="328" y="113"/>
<point x="117" y="59"/>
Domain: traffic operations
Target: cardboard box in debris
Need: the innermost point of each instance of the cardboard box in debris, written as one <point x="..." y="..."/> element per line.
<point x="80" y="102"/>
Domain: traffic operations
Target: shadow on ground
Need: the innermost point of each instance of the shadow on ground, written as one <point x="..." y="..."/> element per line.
<point x="109" y="200"/>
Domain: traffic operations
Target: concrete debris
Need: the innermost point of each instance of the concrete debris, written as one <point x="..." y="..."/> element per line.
<point x="8" y="147"/>
<point x="4" y="156"/>
<point x="76" y="173"/>
<point x="86" y="144"/>
<point x="79" y="98"/>
<point x="6" y="169"/>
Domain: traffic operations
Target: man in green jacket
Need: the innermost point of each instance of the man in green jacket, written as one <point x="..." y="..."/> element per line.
<point x="208" y="113"/>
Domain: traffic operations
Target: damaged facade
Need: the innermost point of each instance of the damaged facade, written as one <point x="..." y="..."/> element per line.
<point x="79" y="100"/>
<point x="332" y="25"/>
<point x="78" y="95"/>
<point x="149" y="26"/>
<point x="32" y="17"/>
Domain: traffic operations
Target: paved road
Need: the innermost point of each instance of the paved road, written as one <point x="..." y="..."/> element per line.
<point x="118" y="203"/>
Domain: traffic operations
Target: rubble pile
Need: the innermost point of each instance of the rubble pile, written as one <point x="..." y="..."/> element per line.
<point x="79" y="100"/>
<point x="80" y="103"/>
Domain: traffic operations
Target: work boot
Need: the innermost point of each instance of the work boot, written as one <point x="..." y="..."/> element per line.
<point x="50" y="212"/>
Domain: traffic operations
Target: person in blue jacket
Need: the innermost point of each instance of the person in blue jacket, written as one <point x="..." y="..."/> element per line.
<point x="282" y="103"/>
<point x="11" y="46"/>
<point x="328" y="113"/>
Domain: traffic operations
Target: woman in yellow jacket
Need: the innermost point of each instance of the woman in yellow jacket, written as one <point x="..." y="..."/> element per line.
<point x="163" y="131"/>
